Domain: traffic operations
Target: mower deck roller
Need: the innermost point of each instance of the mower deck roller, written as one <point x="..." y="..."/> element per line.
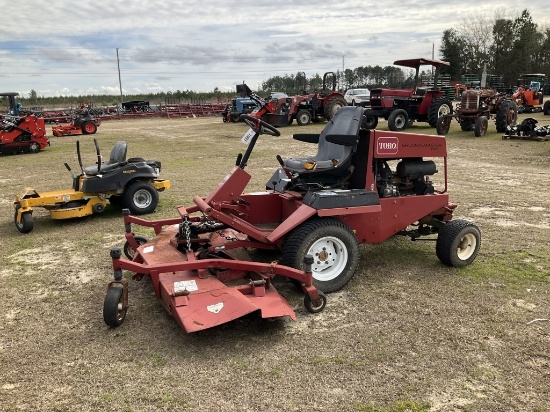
<point x="362" y="186"/>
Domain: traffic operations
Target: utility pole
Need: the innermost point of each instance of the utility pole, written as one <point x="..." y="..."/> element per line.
<point x="119" y="81"/>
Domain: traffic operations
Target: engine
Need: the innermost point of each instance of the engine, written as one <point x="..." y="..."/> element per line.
<point x="410" y="177"/>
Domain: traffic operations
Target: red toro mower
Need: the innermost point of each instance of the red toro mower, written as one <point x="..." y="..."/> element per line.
<point x="83" y="124"/>
<point x="362" y="186"/>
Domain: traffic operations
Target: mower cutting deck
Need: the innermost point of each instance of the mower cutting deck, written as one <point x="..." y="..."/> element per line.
<point x="362" y="186"/>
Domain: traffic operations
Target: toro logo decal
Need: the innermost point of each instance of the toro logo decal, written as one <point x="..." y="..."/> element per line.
<point x="387" y="145"/>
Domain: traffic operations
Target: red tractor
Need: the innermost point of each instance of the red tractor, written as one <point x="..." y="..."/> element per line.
<point x="304" y="108"/>
<point x="21" y="134"/>
<point x="400" y="107"/>
<point x="529" y="96"/>
<point x="362" y="186"/>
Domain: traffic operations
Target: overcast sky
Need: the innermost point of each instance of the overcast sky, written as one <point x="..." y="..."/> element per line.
<point x="69" y="48"/>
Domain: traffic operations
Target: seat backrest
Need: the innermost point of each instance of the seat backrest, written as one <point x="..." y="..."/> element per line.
<point x="118" y="153"/>
<point x="347" y="121"/>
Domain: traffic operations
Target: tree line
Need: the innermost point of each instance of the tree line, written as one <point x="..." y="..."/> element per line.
<point x="509" y="46"/>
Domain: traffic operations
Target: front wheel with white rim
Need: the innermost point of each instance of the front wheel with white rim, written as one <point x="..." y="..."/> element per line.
<point x="140" y="197"/>
<point x="334" y="248"/>
<point x="458" y="243"/>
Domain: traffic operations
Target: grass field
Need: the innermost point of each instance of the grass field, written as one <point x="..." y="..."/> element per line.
<point x="406" y="334"/>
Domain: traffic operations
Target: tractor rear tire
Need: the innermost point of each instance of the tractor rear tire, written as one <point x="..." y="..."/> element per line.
<point x="26" y="224"/>
<point x="398" y="120"/>
<point x="481" y="126"/>
<point x="439" y="107"/>
<point x="113" y="314"/>
<point x="507" y="115"/>
<point x="334" y="248"/>
<point x="140" y="197"/>
<point x="332" y="106"/>
<point x="466" y="125"/>
<point x="458" y="243"/>
<point x="88" y="128"/>
<point x="546" y="108"/>
<point x="303" y="117"/>
<point x="443" y="125"/>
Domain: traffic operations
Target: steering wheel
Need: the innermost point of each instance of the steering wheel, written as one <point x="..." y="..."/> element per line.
<point x="260" y="126"/>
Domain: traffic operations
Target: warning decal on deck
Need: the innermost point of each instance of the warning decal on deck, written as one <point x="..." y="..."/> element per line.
<point x="215" y="308"/>
<point x="189" y="285"/>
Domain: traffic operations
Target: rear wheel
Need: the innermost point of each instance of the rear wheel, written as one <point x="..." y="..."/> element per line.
<point x="398" y="120"/>
<point x="439" y="107"/>
<point x="332" y="106"/>
<point x="443" y="125"/>
<point x="332" y="245"/>
<point x="303" y="117"/>
<point x="88" y="128"/>
<point x="140" y="197"/>
<point x="458" y="243"/>
<point x="113" y="313"/>
<point x="481" y="126"/>
<point x="546" y="108"/>
<point x="507" y="115"/>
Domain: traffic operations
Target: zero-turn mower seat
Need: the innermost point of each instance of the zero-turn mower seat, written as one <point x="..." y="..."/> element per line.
<point x="331" y="157"/>
<point x="117" y="159"/>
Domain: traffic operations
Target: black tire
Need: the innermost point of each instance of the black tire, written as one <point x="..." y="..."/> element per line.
<point x="369" y="122"/>
<point x="507" y="115"/>
<point x="398" y="120"/>
<point x="26" y="224"/>
<point x="332" y="106"/>
<point x="439" y="107"/>
<point x="128" y="251"/>
<point x="546" y="108"/>
<point x="88" y="128"/>
<point x="303" y="117"/>
<point x="458" y="243"/>
<point x="315" y="308"/>
<point x="98" y="208"/>
<point x="113" y="314"/>
<point x="34" y="147"/>
<point x="443" y="125"/>
<point x="330" y="237"/>
<point x="116" y="201"/>
<point x="140" y="197"/>
<point x="234" y="118"/>
<point x="481" y="126"/>
<point x="466" y="125"/>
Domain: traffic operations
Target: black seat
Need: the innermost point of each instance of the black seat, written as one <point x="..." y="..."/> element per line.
<point x="336" y="145"/>
<point x="117" y="159"/>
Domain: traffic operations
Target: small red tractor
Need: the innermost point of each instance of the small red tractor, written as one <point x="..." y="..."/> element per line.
<point x="362" y="186"/>
<point x="401" y="107"/>
<point x="81" y="124"/>
<point x="304" y="108"/>
<point x="529" y="95"/>
<point x="21" y="134"/>
<point x="476" y="108"/>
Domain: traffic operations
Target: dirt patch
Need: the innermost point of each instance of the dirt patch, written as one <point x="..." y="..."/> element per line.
<point x="406" y="333"/>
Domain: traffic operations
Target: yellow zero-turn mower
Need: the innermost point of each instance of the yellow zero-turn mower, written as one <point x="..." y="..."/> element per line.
<point x="131" y="183"/>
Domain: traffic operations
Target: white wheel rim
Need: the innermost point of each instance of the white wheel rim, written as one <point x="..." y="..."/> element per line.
<point x="142" y="198"/>
<point x="330" y="257"/>
<point x="466" y="246"/>
<point x="443" y="110"/>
